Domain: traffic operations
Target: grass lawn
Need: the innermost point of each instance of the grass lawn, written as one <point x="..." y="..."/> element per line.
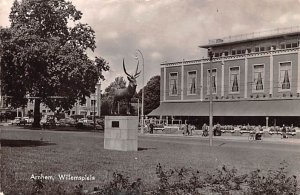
<point x="27" y="152"/>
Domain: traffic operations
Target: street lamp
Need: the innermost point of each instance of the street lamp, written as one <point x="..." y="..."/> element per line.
<point x="94" y="115"/>
<point x="142" y="111"/>
<point x="210" y="54"/>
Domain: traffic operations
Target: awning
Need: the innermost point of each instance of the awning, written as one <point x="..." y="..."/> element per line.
<point x="230" y="108"/>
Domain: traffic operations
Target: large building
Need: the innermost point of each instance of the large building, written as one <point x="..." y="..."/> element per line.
<point x="255" y="79"/>
<point x="90" y="108"/>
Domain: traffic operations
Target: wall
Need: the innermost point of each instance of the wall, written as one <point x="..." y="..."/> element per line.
<point x="246" y="89"/>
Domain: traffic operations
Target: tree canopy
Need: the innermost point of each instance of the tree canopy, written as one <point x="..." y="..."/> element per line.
<point x="107" y="98"/>
<point x="151" y="94"/>
<point x="45" y="54"/>
<point x="118" y="83"/>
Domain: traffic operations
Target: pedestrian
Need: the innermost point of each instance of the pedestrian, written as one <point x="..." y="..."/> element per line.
<point x="284" y="131"/>
<point x="204" y="130"/>
<point x="217" y="130"/>
<point x="188" y="129"/>
<point x="258" y="132"/>
<point x="191" y="129"/>
<point x="151" y="128"/>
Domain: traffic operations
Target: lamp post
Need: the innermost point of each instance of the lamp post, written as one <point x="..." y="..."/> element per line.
<point x="210" y="54"/>
<point x="94" y="112"/>
<point x="142" y="111"/>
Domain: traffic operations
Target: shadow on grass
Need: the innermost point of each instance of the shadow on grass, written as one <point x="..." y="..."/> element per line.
<point x="141" y="149"/>
<point x="24" y="143"/>
<point x="63" y="128"/>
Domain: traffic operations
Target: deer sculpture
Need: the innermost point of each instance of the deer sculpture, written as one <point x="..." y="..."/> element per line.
<point x="127" y="93"/>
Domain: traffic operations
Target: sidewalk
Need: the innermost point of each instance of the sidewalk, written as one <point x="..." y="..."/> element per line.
<point x="5" y="124"/>
<point x="242" y="138"/>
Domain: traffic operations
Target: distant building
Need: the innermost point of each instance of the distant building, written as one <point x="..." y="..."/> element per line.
<point x="90" y="108"/>
<point x="255" y="79"/>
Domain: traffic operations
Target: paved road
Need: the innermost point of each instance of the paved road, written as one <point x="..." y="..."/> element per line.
<point x="269" y="143"/>
<point x="272" y="144"/>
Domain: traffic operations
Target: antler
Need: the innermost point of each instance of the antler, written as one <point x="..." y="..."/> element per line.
<point x="125" y="69"/>
<point x="136" y="74"/>
<point x="137" y="67"/>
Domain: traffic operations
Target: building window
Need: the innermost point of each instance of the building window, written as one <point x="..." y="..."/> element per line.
<point x="248" y="50"/>
<point x="294" y="44"/>
<point x="258" y="78"/>
<point x="217" y="55"/>
<point x="282" y="46"/>
<point x="262" y="48"/>
<point x="191" y="82"/>
<point x="256" y="49"/>
<point x="239" y="51"/>
<point x="73" y="112"/>
<point x="92" y="113"/>
<point x="214" y="81"/>
<point x="93" y="102"/>
<point x="234" y="74"/>
<point x="274" y="47"/>
<point x="226" y="53"/>
<point x="233" y="52"/>
<point x="173" y="80"/>
<point x="288" y="45"/>
<point x="84" y="113"/>
<point x="285" y="76"/>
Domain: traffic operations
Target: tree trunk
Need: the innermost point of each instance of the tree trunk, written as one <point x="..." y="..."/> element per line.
<point x="37" y="114"/>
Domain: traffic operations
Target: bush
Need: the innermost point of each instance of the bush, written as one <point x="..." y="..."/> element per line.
<point x="275" y="182"/>
<point x="184" y="181"/>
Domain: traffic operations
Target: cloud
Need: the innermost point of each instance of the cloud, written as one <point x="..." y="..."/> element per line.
<point x="171" y="30"/>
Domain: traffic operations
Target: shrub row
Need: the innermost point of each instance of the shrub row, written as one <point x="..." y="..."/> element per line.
<point x="225" y="180"/>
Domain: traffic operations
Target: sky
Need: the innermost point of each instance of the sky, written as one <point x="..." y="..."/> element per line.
<point x="170" y="30"/>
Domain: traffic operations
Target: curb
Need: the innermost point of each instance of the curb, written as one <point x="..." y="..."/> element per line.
<point x="232" y="138"/>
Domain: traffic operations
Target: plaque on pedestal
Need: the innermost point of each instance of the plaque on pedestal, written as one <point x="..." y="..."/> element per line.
<point x="121" y="133"/>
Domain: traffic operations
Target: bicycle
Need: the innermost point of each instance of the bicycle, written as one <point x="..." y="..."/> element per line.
<point x="255" y="136"/>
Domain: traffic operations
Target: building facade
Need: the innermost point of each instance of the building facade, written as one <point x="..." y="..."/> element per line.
<point x="255" y="78"/>
<point x="90" y="108"/>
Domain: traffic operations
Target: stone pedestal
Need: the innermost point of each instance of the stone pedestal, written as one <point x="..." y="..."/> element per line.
<point x="121" y="133"/>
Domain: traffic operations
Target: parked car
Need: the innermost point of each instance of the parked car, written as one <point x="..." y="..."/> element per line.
<point x="30" y="120"/>
<point x="227" y="129"/>
<point x="16" y="121"/>
<point x="67" y="122"/>
<point x="48" y="121"/>
<point x="23" y="121"/>
<point x="275" y="130"/>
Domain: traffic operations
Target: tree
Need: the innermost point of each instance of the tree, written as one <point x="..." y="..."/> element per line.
<point x="107" y="97"/>
<point x="119" y="82"/>
<point x="151" y="94"/>
<point x="45" y="55"/>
